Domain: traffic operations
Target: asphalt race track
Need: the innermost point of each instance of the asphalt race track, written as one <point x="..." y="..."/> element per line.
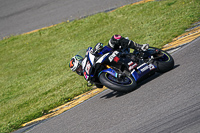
<point x="20" y="16"/>
<point x="166" y="103"/>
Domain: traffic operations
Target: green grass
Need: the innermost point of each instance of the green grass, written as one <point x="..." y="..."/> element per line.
<point x="34" y="72"/>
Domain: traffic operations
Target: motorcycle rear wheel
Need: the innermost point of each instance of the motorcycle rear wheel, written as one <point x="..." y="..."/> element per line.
<point x="126" y="84"/>
<point x="165" y="63"/>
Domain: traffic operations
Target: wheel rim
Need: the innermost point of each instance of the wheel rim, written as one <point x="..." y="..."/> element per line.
<point x="124" y="80"/>
<point x="164" y="58"/>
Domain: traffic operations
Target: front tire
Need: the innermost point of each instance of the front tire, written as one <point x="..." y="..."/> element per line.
<point x="126" y="84"/>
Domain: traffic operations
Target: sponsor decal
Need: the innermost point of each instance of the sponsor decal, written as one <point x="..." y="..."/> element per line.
<point x="150" y="67"/>
<point x="112" y="56"/>
<point x="87" y="67"/>
<point x="116" y="59"/>
<point x="131" y="65"/>
<point x="144" y="69"/>
<point x="85" y="75"/>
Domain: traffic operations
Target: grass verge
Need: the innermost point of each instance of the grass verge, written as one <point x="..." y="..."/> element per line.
<point x="34" y="73"/>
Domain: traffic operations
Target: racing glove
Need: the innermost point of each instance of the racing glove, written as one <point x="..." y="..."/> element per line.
<point x="98" y="47"/>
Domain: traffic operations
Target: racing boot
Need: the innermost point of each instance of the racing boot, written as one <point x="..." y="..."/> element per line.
<point x="143" y="47"/>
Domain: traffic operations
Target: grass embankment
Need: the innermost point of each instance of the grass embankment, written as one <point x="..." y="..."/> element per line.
<point x="34" y="72"/>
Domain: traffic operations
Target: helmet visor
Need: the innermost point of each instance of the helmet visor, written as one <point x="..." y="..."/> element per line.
<point x="79" y="69"/>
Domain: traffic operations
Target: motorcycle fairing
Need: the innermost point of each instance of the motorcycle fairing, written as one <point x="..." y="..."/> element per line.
<point x="87" y="65"/>
<point x="91" y="58"/>
<point x="142" y="70"/>
<point x="102" y="58"/>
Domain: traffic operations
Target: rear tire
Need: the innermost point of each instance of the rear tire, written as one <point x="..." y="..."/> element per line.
<point x="126" y="85"/>
<point x="164" y="63"/>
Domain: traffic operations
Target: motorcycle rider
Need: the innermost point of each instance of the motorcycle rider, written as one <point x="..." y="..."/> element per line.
<point x="116" y="42"/>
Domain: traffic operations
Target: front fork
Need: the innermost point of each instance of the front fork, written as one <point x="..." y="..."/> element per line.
<point x="118" y="74"/>
<point x="109" y="70"/>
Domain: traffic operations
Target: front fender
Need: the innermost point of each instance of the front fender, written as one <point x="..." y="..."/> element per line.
<point x="110" y="71"/>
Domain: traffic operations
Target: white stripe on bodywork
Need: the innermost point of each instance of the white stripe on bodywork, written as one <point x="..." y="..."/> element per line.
<point x="141" y="65"/>
<point x="91" y="57"/>
<point x="101" y="58"/>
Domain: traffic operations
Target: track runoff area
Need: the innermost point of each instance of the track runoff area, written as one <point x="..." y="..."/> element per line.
<point x="177" y="43"/>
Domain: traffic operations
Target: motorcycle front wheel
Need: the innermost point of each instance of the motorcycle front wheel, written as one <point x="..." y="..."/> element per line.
<point x="124" y="84"/>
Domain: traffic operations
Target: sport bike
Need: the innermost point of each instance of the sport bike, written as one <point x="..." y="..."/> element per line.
<point x="121" y="70"/>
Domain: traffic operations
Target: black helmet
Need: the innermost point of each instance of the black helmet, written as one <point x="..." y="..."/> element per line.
<point x="114" y="41"/>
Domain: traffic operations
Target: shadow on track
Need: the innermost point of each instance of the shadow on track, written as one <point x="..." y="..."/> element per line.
<point x="119" y="94"/>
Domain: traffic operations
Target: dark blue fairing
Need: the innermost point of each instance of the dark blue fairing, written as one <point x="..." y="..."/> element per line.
<point x="142" y="70"/>
<point x="105" y="49"/>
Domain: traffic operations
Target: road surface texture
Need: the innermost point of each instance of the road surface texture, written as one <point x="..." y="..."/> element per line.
<point x="20" y="16"/>
<point x="166" y="103"/>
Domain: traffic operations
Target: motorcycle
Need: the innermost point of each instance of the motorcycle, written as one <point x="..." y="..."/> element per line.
<point x="121" y="70"/>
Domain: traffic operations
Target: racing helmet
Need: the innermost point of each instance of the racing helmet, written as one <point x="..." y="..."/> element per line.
<point x="114" y="41"/>
<point x="75" y="64"/>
